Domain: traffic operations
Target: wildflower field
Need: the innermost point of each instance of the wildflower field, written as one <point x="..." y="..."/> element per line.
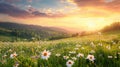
<point x="86" y="51"/>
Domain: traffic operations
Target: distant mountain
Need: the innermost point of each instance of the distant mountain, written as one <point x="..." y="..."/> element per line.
<point x="31" y="32"/>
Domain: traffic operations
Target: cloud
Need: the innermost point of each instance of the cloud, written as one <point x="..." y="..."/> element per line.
<point x="96" y="8"/>
<point x="14" y="11"/>
<point x="105" y="4"/>
<point x="29" y="1"/>
<point x="12" y="1"/>
<point x="37" y="13"/>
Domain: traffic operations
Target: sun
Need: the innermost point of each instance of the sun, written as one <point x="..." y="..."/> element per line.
<point x="91" y="26"/>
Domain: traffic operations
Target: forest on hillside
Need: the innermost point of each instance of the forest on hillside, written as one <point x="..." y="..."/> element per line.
<point x="31" y="32"/>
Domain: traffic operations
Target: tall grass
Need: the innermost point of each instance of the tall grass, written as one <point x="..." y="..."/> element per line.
<point x="106" y="53"/>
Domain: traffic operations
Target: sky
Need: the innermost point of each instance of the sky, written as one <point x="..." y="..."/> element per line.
<point x="75" y="15"/>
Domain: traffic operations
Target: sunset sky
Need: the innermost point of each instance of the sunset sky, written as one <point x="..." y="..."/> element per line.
<point x="74" y="15"/>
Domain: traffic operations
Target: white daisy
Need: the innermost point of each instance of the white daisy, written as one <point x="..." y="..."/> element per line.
<point x="92" y="44"/>
<point x="110" y="56"/>
<point x="45" y="54"/>
<point x="74" y="58"/>
<point x="65" y="57"/>
<point x="4" y="56"/>
<point x="91" y="57"/>
<point x="57" y="55"/>
<point x="80" y="55"/>
<point x="69" y="63"/>
<point x="78" y="45"/>
<point x="119" y="47"/>
<point x="82" y="48"/>
<point x="92" y="51"/>
<point x="76" y="48"/>
<point x="13" y="55"/>
<point x="100" y="44"/>
<point x="108" y="47"/>
<point x="72" y="52"/>
<point x="115" y="56"/>
<point x="10" y="50"/>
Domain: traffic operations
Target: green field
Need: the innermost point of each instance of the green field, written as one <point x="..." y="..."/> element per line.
<point x="105" y="48"/>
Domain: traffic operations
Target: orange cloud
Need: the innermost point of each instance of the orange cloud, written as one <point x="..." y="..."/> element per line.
<point x="113" y="5"/>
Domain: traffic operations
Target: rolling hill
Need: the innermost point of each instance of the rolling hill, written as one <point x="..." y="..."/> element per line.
<point x="112" y="27"/>
<point x="15" y="31"/>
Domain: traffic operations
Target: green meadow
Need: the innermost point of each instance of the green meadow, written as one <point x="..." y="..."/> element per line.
<point x="104" y="47"/>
